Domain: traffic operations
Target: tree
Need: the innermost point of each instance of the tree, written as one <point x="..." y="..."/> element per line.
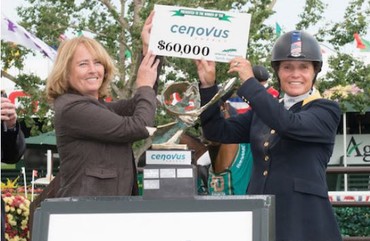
<point x="117" y="25"/>
<point x="345" y="68"/>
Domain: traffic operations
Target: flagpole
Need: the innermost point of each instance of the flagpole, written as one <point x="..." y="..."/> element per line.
<point x="33" y="184"/>
<point x="326" y="46"/>
<point x="24" y="181"/>
<point x="49" y="165"/>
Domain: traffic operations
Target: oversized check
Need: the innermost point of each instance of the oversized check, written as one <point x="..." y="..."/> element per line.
<point x="199" y="33"/>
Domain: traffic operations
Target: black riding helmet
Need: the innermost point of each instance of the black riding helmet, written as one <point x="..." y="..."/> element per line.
<point x="297" y="45"/>
<point x="260" y="73"/>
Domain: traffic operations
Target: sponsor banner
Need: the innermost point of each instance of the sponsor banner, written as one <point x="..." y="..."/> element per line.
<point x="357" y="149"/>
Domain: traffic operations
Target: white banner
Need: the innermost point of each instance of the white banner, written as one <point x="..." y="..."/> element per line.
<point x="199" y="33"/>
<point x="155" y="226"/>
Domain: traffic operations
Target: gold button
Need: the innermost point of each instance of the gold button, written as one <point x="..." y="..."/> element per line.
<point x="265" y="173"/>
<point x="272" y="131"/>
<point x="267" y="158"/>
<point x="266" y="144"/>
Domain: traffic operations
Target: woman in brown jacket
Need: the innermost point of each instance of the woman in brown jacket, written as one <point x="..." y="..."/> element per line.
<point x="94" y="137"/>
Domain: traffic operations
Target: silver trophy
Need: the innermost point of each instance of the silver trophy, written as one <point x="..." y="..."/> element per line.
<point x="182" y="100"/>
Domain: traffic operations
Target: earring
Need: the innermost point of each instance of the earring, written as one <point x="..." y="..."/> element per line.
<point x="310" y="93"/>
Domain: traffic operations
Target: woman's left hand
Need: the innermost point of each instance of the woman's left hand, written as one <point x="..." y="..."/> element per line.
<point x="145" y="32"/>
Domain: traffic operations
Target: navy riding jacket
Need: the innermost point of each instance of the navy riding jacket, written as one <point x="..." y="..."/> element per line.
<point x="291" y="150"/>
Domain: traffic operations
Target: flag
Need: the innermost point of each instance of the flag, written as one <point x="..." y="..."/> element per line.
<point x="12" y="32"/>
<point x="62" y="37"/>
<point x="361" y="43"/>
<point x="238" y="104"/>
<point x="277" y="30"/>
<point x="326" y="50"/>
<point x="127" y="54"/>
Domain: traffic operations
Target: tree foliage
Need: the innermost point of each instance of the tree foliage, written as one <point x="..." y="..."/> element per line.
<point x="117" y="25"/>
<point x="345" y="68"/>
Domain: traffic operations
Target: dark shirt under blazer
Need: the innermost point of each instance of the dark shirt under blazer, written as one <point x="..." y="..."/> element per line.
<point x="94" y="140"/>
<point x="291" y="150"/>
<point x="13" y="146"/>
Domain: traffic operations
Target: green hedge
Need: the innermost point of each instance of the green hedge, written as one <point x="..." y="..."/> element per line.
<point x="353" y="221"/>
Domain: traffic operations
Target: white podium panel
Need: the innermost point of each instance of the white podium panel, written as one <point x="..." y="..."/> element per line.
<point x="202" y="218"/>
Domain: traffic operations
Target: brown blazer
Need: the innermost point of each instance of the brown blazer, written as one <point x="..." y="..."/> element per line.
<point x="94" y="140"/>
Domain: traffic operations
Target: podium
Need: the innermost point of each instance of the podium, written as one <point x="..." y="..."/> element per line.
<point x="201" y="218"/>
<point x="169" y="174"/>
<point x="169" y="210"/>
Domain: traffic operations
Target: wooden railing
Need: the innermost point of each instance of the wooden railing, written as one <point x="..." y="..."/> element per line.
<point x="356" y="238"/>
<point x="357" y="169"/>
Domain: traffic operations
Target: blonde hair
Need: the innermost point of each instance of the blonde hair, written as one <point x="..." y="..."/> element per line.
<point x="57" y="83"/>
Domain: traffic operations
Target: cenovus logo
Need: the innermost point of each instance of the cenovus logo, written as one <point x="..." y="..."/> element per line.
<point x="168" y="157"/>
<point x="199" y="31"/>
<point x="355" y="149"/>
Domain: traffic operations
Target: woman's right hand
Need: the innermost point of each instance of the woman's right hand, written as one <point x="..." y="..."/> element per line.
<point x="147" y="73"/>
<point x="243" y="67"/>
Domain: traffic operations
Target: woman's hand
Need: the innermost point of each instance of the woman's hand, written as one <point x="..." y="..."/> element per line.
<point x="243" y="67"/>
<point x="206" y="72"/>
<point x="145" y="32"/>
<point x="147" y="73"/>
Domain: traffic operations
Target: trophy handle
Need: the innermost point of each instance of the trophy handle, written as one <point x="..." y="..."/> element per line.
<point x="190" y="117"/>
<point x="225" y="88"/>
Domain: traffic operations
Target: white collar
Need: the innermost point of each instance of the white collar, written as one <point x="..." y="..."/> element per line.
<point x="289" y="101"/>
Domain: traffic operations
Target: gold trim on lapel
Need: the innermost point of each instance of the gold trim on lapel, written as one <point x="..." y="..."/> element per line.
<point x="311" y="98"/>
